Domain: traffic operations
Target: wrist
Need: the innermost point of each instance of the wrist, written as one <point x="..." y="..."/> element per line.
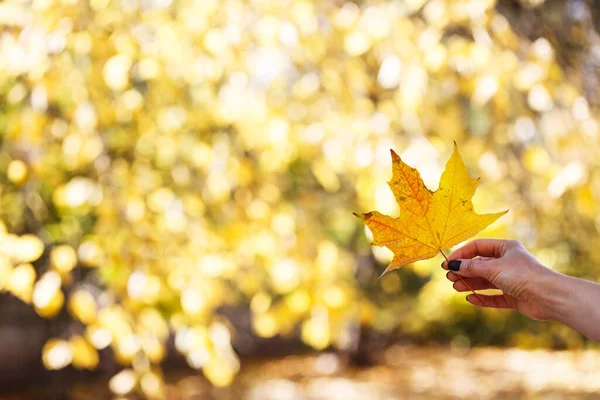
<point x="555" y="295"/>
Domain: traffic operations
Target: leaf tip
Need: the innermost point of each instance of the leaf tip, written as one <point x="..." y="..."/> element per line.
<point x="384" y="272"/>
<point x="392" y="266"/>
<point x="363" y="216"/>
<point x="455" y="149"/>
<point x="395" y="156"/>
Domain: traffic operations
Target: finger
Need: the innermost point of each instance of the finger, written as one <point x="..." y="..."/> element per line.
<point x="475" y="267"/>
<point x="469" y="284"/>
<point x="494" y="301"/>
<point x="480" y="247"/>
<point x="445" y="265"/>
<point x="452" y="277"/>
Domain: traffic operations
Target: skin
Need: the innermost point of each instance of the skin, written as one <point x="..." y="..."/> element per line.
<point x="527" y="286"/>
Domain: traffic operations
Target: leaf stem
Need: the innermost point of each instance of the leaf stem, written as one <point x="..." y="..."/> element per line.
<point x="463" y="281"/>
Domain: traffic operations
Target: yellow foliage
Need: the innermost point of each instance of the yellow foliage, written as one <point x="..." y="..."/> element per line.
<point x="84" y="355"/>
<point x="82" y="306"/>
<point x="21" y="282"/>
<point x="48" y="297"/>
<point x="57" y="354"/>
<point x="63" y="258"/>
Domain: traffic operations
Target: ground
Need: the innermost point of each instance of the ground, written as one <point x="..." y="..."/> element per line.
<point x="409" y="372"/>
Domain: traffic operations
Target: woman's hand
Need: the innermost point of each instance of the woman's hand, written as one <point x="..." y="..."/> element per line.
<point x="527" y="285"/>
<point x="504" y="265"/>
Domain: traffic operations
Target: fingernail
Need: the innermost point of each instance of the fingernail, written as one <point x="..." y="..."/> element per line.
<point x="442" y="264"/>
<point x="468" y="298"/>
<point x="454" y="265"/>
<point x="448" y="275"/>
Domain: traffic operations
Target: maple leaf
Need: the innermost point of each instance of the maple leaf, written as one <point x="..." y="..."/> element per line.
<point x="429" y="221"/>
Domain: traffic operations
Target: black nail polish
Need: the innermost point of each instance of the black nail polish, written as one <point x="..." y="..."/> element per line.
<point x="448" y="275"/>
<point x="442" y="264"/>
<point x="454" y="265"/>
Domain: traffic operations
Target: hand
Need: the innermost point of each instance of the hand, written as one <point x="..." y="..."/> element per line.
<point x="504" y="265"/>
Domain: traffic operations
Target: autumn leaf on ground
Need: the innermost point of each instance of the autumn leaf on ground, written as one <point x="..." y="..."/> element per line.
<point x="429" y="221"/>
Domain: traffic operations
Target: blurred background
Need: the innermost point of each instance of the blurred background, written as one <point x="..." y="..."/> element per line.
<point x="177" y="182"/>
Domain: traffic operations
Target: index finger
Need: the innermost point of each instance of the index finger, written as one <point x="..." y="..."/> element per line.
<point x="479" y="247"/>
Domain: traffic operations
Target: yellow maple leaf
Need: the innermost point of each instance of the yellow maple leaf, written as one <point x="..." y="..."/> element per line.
<point x="429" y="221"/>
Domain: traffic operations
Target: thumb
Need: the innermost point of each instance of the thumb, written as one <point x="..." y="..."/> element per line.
<point x="471" y="268"/>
